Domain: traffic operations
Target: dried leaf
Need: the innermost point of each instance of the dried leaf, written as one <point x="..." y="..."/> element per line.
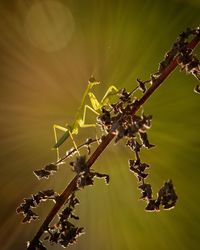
<point x="197" y="89"/>
<point x="29" y="216"/>
<point x="146" y="191"/>
<point x="42" y="173"/>
<point x="145" y="141"/>
<point x="151" y="206"/>
<point x="51" y="167"/>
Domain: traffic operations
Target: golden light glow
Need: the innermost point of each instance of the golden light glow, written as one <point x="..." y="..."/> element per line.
<point x="49" y="25"/>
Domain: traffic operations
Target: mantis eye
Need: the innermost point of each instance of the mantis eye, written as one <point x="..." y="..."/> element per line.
<point x="93" y="80"/>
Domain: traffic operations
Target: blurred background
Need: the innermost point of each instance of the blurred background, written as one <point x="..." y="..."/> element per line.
<point x="48" y="50"/>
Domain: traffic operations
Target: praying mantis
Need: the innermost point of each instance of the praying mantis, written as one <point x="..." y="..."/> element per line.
<point x="79" y="121"/>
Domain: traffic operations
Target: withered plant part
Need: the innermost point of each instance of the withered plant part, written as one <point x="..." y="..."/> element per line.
<point x="120" y="121"/>
<point x="51" y="168"/>
<point x="33" y="202"/>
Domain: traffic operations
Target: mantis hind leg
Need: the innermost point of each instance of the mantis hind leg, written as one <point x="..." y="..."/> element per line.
<point x="59" y="142"/>
<point x="82" y="123"/>
<point x="62" y="139"/>
<point x="70" y="134"/>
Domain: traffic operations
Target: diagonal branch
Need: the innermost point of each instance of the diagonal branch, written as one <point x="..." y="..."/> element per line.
<point x="71" y="187"/>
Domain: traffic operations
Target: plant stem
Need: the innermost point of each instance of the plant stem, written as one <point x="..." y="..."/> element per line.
<point x="71" y="187"/>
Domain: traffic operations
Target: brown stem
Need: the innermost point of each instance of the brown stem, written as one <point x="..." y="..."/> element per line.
<point x="71" y="187"/>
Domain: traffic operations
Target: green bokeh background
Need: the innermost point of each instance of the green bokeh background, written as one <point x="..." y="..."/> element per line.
<point x="44" y="68"/>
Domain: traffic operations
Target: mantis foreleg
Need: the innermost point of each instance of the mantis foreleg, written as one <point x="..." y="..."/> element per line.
<point x="82" y="121"/>
<point x="112" y="90"/>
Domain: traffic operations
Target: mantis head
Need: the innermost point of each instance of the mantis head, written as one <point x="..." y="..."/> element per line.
<point x="92" y="81"/>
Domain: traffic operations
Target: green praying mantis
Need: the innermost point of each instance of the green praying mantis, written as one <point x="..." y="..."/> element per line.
<point x="79" y="121"/>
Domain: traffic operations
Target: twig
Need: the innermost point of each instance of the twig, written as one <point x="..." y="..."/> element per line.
<point x="71" y="187"/>
<point x="73" y="150"/>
